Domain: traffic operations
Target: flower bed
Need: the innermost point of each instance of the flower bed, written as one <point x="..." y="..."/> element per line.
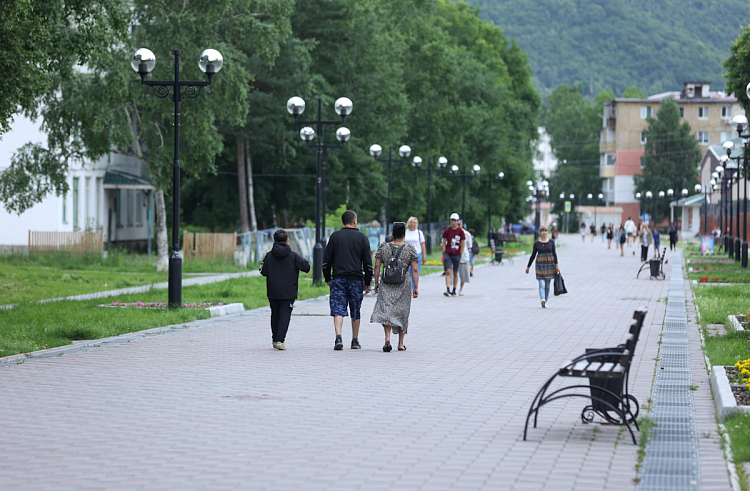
<point x="710" y="261"/>
<point x="739" y="380"/>
<point x="162" y="305"/>
<point x="707" y="279"/>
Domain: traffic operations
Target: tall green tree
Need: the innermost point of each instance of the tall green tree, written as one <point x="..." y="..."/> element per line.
<point x="738" y="67"/>
<point x="671" y="156"/>
<point x="41" y="41"/>
<point x="106" y="109"/>
<point x="574" y="127"/>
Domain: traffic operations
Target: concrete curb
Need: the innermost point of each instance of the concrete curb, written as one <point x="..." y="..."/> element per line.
<point x="734" y="324"/>
<point x="723" y="397"/>
<point x="228" y="309"/>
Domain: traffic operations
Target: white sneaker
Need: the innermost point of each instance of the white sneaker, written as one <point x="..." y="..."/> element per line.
<point x="461" y="293"/>
<point x="279" y="346"/>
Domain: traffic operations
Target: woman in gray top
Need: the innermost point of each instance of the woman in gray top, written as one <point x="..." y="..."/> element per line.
<point x="394" y="300"/>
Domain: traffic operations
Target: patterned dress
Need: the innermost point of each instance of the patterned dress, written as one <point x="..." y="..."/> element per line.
<point x="546" y="259"/>
<point x="394" y="301"/>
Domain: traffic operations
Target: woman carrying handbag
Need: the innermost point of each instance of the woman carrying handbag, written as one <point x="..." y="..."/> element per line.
<point x="546" y="264"/>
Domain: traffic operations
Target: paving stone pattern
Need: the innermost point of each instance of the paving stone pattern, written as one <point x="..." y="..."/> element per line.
<point x="215" y="407"/>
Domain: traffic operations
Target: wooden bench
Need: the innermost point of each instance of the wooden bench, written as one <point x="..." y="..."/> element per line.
<point x="510" y="237"/>
<point x="607" y="370"/>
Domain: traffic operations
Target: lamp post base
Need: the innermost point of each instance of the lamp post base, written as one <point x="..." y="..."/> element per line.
<point x="175" y="280"/>
<point x="729" y="245"/>
<point x="737" y="249"/>
<point x="318" y="264"/>
<point x="744" y="255"/>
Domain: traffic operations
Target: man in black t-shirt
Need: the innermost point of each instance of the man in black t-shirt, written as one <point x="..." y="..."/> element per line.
<point x="347" y="268"/>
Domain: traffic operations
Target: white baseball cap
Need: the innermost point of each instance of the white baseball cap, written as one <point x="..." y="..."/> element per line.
<point x="454" y="216"/>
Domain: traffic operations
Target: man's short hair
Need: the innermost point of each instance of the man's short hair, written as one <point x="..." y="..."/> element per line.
<point x="280" y="235"/>
<point x="348" y="217"/>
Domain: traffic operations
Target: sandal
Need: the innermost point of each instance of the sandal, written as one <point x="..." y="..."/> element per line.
<point x="402" y="349"/>
<point x="387" y="347"/>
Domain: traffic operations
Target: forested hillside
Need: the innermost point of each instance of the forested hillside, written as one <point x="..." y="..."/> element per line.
<point x="653" y="45"/>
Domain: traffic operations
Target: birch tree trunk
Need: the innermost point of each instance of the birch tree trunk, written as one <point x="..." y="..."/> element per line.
<point x="241" y="181"/>
<point x="250" y="193"/>
<point x="162" y="254"/>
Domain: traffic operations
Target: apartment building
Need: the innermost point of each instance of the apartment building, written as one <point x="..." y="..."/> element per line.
<point x="622" y="141"/>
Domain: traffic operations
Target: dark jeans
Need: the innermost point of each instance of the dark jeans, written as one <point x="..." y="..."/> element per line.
<point x="281" y="314"/>
<point x="644" y="253"/>
<point x="672" y="244"/>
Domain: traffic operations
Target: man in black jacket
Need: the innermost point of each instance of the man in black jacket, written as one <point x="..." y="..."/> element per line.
<point x="281" y="267"/>
<point x="348" y="254"/>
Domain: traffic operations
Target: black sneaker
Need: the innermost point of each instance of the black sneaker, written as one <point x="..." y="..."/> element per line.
<point x="339" y="344"/>
<point x="453" y="293"/>
<point x="447" y="292"/>
<point x="355" y="344"/>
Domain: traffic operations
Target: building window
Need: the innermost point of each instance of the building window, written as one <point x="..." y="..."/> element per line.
<point x="65" y="208"/>
<point x="641" y="161"/>
<point x="725" y="135"/>
<point x="645" y="112"/>
<point x="726" y="112"/>
<point x="118" y="208"/>
<point x="609" y="159"/>
<point x="139" y="204"/>
<point x="86" y="199"/>
<point x="130" y="207"/>
<point x="703" y="137"/>
<point x="682" y="112"/>
<point x="98" y="202"/>
<point x="75" y="203"/>
<point x="643" y="137"/>
<point x="702" y="112"/>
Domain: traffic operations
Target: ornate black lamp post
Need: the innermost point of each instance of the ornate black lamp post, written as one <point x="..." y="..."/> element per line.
<point x="500" y="177"/>
<point x="404" y="151"/>
<point x="590" y="196"/>
<point x="538" y="192"/>
<point x="707" y="190"/>
<point x="639" y="196"/>
<point x="210" y="62"/>
<point x="740" y="122"/>
<point x="735" y="250"/>
<point x="343" y="107"/>
<point x="650" y="197"/>
<point x="441" y="162"/>
<point x="474" y="172"/>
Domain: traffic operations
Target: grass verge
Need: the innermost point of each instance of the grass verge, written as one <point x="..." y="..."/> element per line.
<point x="31" y="327"/>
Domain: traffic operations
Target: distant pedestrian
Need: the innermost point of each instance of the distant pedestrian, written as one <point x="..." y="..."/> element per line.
<point x="546" y="264"/>
<point x="464" y="267"/>
<point x="673" y="238"/>
<point x="610" y="235"/>
<point x="593" y="232"/>
<point x="347" y="268"/>
<point x="622" y="236"/>
<point x="281" y="268"/>
<point x="645" y="236"/>
<point x="657" y="242"/>
<point x="454" y="241"/>
<point x="394" y="299"/>
<point x="415" y="237"/>
<point x="630" y="230"/>
<point x="583" y="232"/>
<point x="603" y="230"/>
<point x="373" y="236"/>
<point x="473" y="245"/>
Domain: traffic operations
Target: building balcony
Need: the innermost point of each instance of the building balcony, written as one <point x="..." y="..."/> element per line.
<point x="607" y="147"/>
<point x="606" y="171"/>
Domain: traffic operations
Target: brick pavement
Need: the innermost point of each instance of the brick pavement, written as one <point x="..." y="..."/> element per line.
<point x="216" y="407"/>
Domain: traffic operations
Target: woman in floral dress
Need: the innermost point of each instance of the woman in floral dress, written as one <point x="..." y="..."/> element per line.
<point x="394" y="301"/>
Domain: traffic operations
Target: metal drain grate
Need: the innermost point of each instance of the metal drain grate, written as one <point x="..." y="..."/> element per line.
<point x="671" y="461"/>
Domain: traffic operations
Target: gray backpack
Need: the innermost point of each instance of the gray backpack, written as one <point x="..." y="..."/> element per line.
<point x="394" y="273"/>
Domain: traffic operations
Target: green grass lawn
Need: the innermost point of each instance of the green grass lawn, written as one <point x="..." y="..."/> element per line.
<point x="715" y="304"/>
<point x="31" y="326"/>
<point x="43" y="276"/>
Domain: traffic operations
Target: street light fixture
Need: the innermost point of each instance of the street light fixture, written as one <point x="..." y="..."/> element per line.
<point x="210" y="62"/>
<point x="740" y="123"/>
<point x="404" y="151"/>
<point x="343" y="107"/>
<point x="441" y="163"/>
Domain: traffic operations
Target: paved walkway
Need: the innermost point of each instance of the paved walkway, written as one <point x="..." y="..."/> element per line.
<point x="215" y="407"/>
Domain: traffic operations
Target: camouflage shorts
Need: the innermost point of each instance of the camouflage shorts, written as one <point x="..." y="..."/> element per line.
<point x="346" y="293"/>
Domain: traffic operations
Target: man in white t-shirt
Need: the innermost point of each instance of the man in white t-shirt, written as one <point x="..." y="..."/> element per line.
<point x="630" y="231"/>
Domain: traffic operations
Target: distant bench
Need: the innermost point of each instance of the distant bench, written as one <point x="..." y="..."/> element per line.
<point x="607" y="370"/>
<point x="511" y="237"/>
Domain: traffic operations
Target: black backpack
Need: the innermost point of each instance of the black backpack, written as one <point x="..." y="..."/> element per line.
<point x="474" y="246"/>
<point x="394" y="273"/>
